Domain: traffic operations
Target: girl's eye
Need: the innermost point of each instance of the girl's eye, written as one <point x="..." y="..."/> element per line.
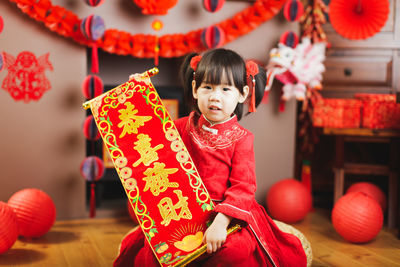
<point x="226" y="89"/>
<point x="207" y="87"/>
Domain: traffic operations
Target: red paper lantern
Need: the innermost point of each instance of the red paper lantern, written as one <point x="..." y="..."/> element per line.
<point x="357" y="217"/>
<point x="92" y="86"/>
<point x="288" y="201"/>
<point x="371" y="190"/>
<point x="35" y="210"/>
<point x="155" y="7"/>
<point x="8" y="227"/>
<point x="212" y="37"/>
<point x="92" y="168"/>
<point x="90" y="129"/>
<point x="1" y="24"/>
<point x="213" y="5"/>
<point x="293" y="10"/>
<point x="131" y="212"/>
<point x="94" y="2"/>
<point x="358" y="19"/>
<point x="289" y="38"/>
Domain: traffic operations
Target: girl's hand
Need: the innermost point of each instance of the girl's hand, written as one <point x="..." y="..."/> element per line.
<point x="215" y="235"/>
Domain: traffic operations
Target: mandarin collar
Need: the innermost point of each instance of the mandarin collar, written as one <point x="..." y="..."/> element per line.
<point x="213" y="128"/>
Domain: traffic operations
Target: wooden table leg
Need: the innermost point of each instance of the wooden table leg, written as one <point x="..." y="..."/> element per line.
<point x="339" y="184"/>
<point x="339" y="168"/>
<point x="392" y="203"/>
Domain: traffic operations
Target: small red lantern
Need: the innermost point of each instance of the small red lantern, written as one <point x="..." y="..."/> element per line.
<point x="90" y="129"/>
<point x="357" y="217"/>
<point x="35" y="210"/>
<point x="289" y="38"/>
<point x="155" y="7"/>
<point x="293" y="10"/>
<point x="1" y="24"/>
<point x="213" y="37"/>
<point x="371" y="190"/>
<point x="288" y="201"/>
<point x="93" y="28"/>
<point x="213" y="5"/>
<point x="92" y="86"/>
<point x="8" y="227"/>
<point x="94" y="2"/>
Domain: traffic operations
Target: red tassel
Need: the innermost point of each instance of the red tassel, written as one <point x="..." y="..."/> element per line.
<point x="95" y="59"/>
<point x="92" y="200"/>
<point x="252" y="107"/>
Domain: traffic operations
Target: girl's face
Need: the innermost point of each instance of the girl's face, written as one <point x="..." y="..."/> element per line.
<point x="217" y="102"/>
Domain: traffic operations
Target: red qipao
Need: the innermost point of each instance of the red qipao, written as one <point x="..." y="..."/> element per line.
<point x="224" y="156"/>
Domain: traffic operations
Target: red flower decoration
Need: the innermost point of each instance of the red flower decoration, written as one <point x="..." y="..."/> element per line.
<point x="251" y="68"/>
<point x="194" y="62"/>
<point x="155" y="7"/>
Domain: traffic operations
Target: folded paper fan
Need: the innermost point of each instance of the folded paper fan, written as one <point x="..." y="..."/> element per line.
<point x="358" y="19"/>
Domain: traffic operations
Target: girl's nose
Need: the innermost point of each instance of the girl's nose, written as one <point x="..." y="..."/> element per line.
<point x="215" y="95"/>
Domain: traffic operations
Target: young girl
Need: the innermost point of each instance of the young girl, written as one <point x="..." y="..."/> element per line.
<point x="217" y="84"/>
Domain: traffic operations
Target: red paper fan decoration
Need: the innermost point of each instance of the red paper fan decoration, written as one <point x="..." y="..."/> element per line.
<point x="358" y="19"/>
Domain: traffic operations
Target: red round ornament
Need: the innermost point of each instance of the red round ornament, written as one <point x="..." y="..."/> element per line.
<point x="1" y="24"/>
<point x="212" y="37"/>
<point x="35" y="210"/>
<point x="92" y="86"/>
<point x="371" y="190"/>
<point x="357" y="217"/>
<point x="293" y="10"/>
<point x="93" y="27"/>
<point x="8" y="227"/>
<point x="288" y="201"/>
<point x="213" y="5"/>
<point x="94" y="2"/>
<point x="90" y="129"/>
<point x="131" y="212"/>
<point x="92" y="168"/>
<point x="289" y="38"/>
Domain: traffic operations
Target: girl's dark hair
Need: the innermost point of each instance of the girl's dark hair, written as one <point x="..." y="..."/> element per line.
<point x="211" y="68"/>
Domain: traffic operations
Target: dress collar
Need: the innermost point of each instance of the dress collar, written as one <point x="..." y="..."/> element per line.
<point x="213" y="128"/>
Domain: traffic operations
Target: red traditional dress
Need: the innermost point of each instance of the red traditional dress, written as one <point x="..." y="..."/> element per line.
<point x="224" y="157"/>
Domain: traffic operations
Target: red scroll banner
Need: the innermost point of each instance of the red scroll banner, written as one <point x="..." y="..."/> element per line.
<point x="162" y="184"/>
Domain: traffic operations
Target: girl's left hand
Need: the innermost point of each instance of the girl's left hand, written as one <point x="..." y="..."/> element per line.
<point x="215" y="235"/>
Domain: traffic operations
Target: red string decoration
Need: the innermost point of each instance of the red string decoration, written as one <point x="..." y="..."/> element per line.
<point x="65" y="23"/>
<point x="26" y="79"/>
<point x="92" y="27"/>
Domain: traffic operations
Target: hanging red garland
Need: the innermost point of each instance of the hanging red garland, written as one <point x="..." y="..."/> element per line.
<point x="26" y="79"/>
<point x="66" y="23"/>
<point x="155" y="7"/>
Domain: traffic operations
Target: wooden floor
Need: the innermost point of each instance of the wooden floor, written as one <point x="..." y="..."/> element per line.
<point x="94" y="242"/>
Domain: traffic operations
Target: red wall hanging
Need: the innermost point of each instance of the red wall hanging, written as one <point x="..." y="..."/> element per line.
<point x="26" y="79"/>
<point x="114" y="41"/>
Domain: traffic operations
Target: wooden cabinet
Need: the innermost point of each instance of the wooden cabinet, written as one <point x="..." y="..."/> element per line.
<point x="366" y="66"/>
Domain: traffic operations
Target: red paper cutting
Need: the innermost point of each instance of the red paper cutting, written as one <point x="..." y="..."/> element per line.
<point x="26" y="79"/>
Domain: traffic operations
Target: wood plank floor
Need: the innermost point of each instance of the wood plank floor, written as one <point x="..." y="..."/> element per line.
<point x="94" y="242"/>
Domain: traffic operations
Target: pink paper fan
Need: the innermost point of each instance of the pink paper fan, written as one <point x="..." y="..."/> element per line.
<point x="358" y="19"/>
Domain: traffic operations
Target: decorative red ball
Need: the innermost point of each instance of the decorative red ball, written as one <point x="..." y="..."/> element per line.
<point x="212" y="37"/>
<point x="131" y="212"/>
<point x="8" y="227"/>
<point x="92" y="86"/>
<point x="213" y="5"/>
<point x="92" y="168"/>
<point x="289" y="38"/>
<point x="371" y="190"/>
<point x="35" y="210"/>
<point x="293" y="10"/>
<point x="288" y="201"/>
<point x="94" y="2"/>
<point x="357" y="217"/>
<point x="93" y="27"/>
<point x="90" y="129"/>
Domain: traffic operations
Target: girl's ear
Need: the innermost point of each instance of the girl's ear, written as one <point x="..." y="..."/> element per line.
<point x="242" y="97"/>
<point x="194" y="90"/>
